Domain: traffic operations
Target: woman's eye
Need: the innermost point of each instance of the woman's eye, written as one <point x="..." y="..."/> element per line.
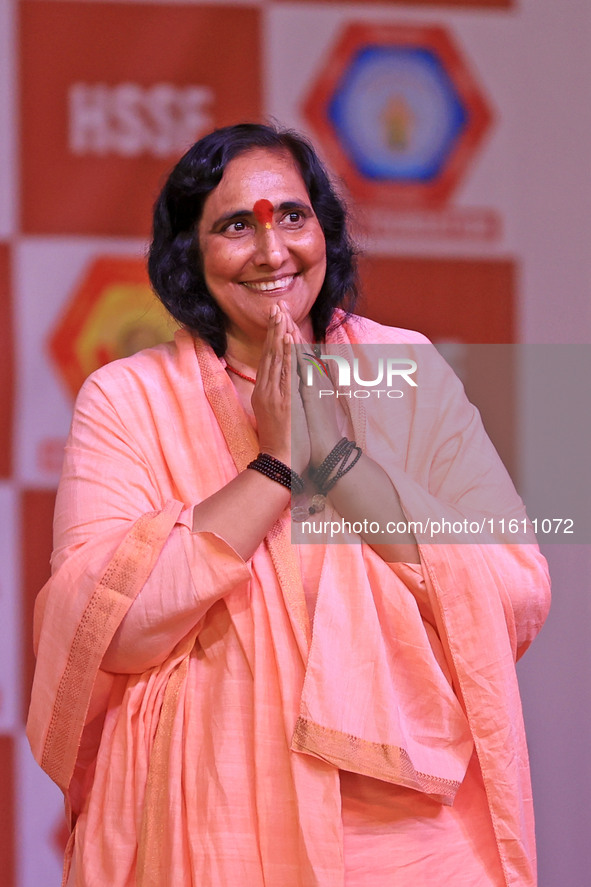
<point x="238" y="227"/>
<point x="294" y="219"/>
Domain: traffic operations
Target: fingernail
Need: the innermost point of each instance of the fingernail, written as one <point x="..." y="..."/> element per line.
<point x="274" y="310"/>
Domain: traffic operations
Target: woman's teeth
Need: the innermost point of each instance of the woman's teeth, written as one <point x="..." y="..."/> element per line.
<point x="270" y="286"/>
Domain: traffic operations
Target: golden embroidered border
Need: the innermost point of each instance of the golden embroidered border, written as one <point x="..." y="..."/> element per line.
<point x="108" y="604"/>
<point x="378" y="760"/>
<point x="243" y="447"/>
<point x="150" y="861"/>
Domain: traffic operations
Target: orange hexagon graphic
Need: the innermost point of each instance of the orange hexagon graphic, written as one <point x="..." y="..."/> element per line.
<point x="112" y="313"/>
<point x="399" y="113"/>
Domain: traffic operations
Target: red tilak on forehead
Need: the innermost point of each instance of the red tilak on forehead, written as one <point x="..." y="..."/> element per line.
<point x="263" y="210"/>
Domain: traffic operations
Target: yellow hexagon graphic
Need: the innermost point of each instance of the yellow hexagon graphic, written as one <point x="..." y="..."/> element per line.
<point x="112" y="313"/>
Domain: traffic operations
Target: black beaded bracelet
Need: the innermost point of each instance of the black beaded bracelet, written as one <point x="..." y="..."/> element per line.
<point x="341" y="453"/>
<point x="344" y="467"/>
<point x="278" y="471"/>
<point x="320" y="475"/>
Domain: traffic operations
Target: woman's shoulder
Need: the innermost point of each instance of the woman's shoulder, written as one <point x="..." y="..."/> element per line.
<point x="363" y="330"/>
<point x="135" y="385"/>
<point x="145" y="365"/>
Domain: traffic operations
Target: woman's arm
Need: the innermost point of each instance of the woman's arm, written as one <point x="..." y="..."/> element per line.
<point x="108" y="484"/>
<point x="244" y="510"/>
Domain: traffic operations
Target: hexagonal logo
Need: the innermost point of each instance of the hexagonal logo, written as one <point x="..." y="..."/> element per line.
<point x="399" y="113"/>
<point x="112" y="313"/>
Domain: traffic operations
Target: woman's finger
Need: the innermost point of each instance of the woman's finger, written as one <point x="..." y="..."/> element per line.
<point x="285" y="381"/>
<point x="269" y="352"/>
<point x="277" y="348"/>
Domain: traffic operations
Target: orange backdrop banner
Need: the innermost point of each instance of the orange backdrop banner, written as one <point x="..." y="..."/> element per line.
<point x="112" y="94"/>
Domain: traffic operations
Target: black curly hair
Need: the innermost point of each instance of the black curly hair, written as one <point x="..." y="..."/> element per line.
<point x="174" y="259"/>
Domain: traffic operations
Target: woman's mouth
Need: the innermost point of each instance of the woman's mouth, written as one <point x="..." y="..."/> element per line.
<point x="269" y="286"/>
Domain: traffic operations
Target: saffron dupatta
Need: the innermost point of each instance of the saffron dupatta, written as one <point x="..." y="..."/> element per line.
<point x="473" y="590"/>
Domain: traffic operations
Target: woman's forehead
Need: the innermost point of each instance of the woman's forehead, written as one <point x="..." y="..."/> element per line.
<point x="260" y="174"/>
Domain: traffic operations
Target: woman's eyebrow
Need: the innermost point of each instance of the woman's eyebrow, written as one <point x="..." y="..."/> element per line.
<point x="232" y="216"/>
<point x="292" y="204"/>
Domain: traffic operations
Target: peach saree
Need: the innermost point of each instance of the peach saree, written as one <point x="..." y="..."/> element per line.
<point x="229" y="743"/>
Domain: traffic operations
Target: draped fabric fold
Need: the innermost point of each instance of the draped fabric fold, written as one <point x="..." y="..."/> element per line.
<point x="57" y="746"/>
<point x="381" y="708"/>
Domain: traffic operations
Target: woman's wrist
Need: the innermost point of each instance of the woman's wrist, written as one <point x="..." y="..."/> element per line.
<point x="277" y="470"/>
<point x="321" y="447"/>
<point x="282" y="454"/>
<point x="341" y="459"/>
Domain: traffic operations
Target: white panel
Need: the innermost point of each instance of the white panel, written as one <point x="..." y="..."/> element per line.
<point x="486" y="43"/>
<point x="10" y="671"/>
<point x="551" y="159"/>
<point x="40" y="822"/>
<point x="535" y="167"/>
<point x="8" y="170"/>
<point x="47" y="269"/>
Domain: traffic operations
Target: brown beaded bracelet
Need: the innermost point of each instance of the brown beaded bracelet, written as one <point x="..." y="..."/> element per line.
<point x="278" y="471"/>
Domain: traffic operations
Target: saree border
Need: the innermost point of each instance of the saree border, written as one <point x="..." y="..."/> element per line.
<point x="102" y="615"/>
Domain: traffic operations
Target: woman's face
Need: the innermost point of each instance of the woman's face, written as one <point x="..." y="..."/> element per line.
<point x="261" y="242"/>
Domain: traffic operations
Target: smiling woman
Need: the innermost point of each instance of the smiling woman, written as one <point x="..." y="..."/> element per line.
<point x="175" y="262"/>
<point x="251" y="259"/>
<point x="220" y="705"/>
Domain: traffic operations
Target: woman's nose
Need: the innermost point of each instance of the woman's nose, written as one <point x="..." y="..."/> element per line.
<point x="271" y="249"/>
